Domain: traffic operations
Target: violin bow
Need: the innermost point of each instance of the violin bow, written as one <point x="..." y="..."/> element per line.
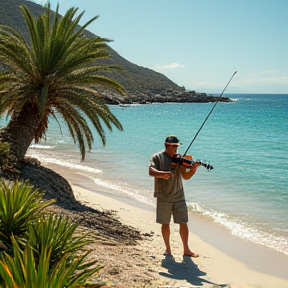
<point x="209" y="114"/>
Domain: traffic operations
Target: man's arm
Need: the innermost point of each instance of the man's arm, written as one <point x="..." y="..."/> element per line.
<point x="159" y="174"/>
<point x="188" y="173"/>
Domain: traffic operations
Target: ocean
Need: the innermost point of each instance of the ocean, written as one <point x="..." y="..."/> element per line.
<point x="246" y="141"/>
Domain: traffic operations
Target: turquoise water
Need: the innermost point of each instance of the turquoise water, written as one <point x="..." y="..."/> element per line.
<point x="246" y="141"/>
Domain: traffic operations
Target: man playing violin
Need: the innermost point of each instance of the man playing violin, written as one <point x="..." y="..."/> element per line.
<point x="168" y="188"/>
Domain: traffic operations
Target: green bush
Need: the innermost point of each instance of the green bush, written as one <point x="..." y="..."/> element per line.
<point x="43" y="251"/>
<point x="20" y="203"/>
<point x="57" y="234"/>
<point x="22" y="271"/>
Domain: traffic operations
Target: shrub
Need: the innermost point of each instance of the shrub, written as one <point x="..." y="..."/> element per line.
<point x="22" y="271"/>
<point x="44" y="251"/>
<point x="57" y="234"/>
<point x="20" y="203"/>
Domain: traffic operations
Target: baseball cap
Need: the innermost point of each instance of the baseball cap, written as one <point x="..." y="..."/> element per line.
<point x="172" y="140"/>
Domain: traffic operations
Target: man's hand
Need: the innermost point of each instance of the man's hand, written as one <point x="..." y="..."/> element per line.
<point x="188" y="173"/>
<point x="167" y="175"/>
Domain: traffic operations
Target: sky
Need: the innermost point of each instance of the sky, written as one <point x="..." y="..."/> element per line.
<point x="197" y="44"/>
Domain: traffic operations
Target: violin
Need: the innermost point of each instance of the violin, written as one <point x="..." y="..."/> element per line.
<point x="188" y="162"/>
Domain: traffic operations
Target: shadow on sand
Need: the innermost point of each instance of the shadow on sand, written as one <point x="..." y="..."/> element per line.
<point x="186" y="270"/>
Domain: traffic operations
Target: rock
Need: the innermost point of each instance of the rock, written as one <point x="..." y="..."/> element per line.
<point x="162" y="96"/>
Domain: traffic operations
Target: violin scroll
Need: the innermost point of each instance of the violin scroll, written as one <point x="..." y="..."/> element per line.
<point x="188" y="162"/>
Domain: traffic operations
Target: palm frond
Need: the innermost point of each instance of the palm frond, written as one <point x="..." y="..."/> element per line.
<point x="57" y="71"/>
<point x="14" y="51"/>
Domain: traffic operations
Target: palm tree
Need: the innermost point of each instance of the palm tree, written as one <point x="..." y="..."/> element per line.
<point x="53" y="75"/>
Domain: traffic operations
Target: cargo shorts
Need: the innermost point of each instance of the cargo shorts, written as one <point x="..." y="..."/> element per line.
<point x="164" y="210"/>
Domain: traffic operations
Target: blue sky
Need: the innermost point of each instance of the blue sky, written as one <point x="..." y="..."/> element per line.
<point x="198" y="44"/>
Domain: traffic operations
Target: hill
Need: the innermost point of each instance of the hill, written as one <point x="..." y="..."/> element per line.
<point x="142" y="84"/>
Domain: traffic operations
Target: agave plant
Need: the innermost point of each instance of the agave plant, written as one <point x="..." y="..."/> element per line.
<point x="58" y="235"/>
<point x="19" y="203"/>
<point x="54" y="75"/>
<point x="21" y="270"/>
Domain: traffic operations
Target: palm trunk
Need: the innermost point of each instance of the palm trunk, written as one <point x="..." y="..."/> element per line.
<point x="19" y="133"/>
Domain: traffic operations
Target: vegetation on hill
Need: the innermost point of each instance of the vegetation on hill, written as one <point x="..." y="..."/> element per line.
<point x="135" y="78"/>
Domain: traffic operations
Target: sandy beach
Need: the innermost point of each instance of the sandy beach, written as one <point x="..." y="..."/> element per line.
<point x="225" y="260"/>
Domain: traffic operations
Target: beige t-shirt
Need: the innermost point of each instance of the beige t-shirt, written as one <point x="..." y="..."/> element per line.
<point x="167" y="190"/>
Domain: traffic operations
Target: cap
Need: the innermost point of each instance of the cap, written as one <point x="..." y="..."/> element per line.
<point x="172" y="140"/>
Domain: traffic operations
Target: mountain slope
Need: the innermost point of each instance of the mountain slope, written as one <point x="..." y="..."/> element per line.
<point x="143" y="85"/>
<point x="136" y="78"/>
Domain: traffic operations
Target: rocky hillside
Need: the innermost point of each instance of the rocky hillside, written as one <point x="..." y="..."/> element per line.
<point x="143" y="85"/>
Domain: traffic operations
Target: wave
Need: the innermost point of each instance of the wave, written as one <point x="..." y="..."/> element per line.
<point x="120" y="189"/>
<point x="39" y="146"/>
<point x="66" y="163"/>
<point x="242" y="229"/>
<point x="107" y="183"/>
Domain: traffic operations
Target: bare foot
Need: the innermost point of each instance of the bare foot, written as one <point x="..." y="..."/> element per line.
<point x="191" y="254"/>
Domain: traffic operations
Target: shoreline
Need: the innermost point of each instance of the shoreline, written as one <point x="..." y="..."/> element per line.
<point x="224" y="258"/>
<point x="255" y="256"/>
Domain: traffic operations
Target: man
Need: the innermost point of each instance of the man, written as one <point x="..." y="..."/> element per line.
<point x="168" y="189"/>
